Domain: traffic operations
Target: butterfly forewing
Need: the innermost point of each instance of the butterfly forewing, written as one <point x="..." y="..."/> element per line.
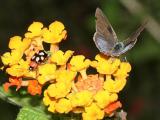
<point x="104" y="33"/>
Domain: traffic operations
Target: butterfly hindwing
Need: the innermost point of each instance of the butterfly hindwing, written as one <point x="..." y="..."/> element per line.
<point x="131" y="41"/>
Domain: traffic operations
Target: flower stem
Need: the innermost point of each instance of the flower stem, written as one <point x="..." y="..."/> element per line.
<point x="83" y="74"/>
<point x="101" y="77"/>
<point x="54" y="48"/>
<point x="108" y="77"/>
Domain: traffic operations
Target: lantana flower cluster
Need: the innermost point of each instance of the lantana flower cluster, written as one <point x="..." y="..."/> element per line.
<point x="70" y="87"/>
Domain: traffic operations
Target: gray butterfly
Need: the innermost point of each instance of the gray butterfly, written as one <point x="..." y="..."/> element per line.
<point x="106" y="39"/>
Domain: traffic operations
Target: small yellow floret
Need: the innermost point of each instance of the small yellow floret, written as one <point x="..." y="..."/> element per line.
<point x="116" y="85"/>
<point x="105" y="66"/>
<point x="46" y="73"/>
<point x="93" y="112"/>
<point x="104" y="98"/>
<point x="65" y="76"/>
<point x="48" y="101"/>
<point x="12" y="58"/>
<point x="59" y="90"/>
<point x="61" y="58"/>
<point x="55" y="34"/>
<point x="17" y="47"/>
<point x="46" y="98"/>
<point x="78" y="63"/>
<point x="83" y="98"/>
<point x="17" y="43"/>
<point x="122" y="72"/>
<point x="63" y="106"/>
<point x="18" y="70"/>
<point x="51" y="107"/>
<point x="35" y="30"/>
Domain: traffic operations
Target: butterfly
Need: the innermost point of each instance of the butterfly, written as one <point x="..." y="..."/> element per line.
<point x="106" y="39"/>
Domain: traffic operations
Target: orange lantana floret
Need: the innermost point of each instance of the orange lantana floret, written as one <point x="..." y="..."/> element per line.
<point x="34" y="88"/>
<point x="112" y="107"/>
<point x="13" y="81"/>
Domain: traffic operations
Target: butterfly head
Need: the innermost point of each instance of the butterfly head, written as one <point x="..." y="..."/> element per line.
<point x="118" y="46"/>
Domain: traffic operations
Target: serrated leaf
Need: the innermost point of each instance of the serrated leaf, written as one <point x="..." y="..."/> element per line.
<point x="27" y="113"/>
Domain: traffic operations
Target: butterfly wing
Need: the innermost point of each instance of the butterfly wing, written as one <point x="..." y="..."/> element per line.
<point x="130" y="41"/>
<point x="105" y="38"/>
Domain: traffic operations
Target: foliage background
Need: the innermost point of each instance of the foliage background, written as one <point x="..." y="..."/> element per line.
<point x="140" y="98"/>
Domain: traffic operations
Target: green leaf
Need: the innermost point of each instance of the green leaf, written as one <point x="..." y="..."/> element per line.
<point x="27" y="113"/>
<point x="8" y="97"/>
<point x="32" y="106"/>
<point x="21" y="99"/>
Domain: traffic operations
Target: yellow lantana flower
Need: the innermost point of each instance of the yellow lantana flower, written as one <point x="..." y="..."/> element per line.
<point x="17" y="43"/>
<point x="30" y="74"/>
<point x="48" y="101"/>
<point x="61" y="58"/>
<point x="64" y="83"/>
<point x="35" y="29"/>
<point x="65" y="76"/>
<point x="17" y="47"/>
<point x="78" y="63"/>
<point x="55" y="33"/>
<point x="18" y="70"/>
<point x="105" y="65"/>
<point x="83" y="98"/>
<point x="116" y="85"/>
<point x="122" y="72"/>
<point x="93" y="112"/>
<point x="104" y="98"/>
<point x="46" y="98"/>
<point x="63" y="106"/>
<point x="11" y="58"/>
<point x="51" y="107"/>
<point x="46" y="73"/>
<point x="59" y="90"/>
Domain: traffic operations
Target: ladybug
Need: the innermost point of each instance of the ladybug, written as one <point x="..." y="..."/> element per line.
<point x="38" y="58"/>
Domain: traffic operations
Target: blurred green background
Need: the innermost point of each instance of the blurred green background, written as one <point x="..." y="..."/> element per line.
<point x="141" y="96"/>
